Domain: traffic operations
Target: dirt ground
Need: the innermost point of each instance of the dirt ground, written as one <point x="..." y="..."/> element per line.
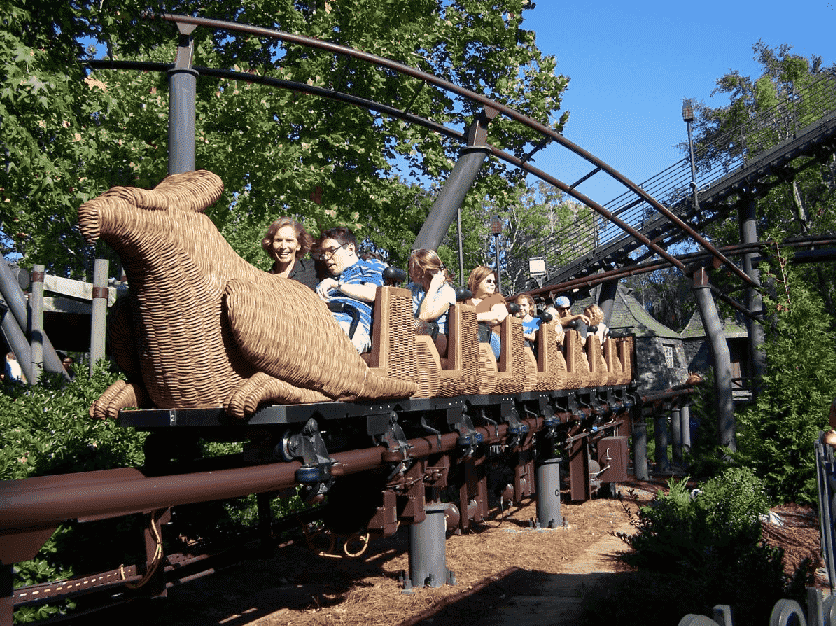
<point x="302" y="587"/>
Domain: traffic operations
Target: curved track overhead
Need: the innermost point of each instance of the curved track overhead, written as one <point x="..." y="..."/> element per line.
<point x="548" y="133"/>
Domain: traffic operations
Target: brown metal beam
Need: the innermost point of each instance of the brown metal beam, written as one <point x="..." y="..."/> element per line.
<point x="476" y="97"/>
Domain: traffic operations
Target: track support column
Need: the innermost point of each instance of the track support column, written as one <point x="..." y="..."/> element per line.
<point x="548" y="494"/>
<point x="427" y="551"/>
<point x="640" y="448"/>
<point x="660" y="435"/>
<point x="720" y="356"/>
<point x="676" y="435"/>
<point x="747" y="212"/>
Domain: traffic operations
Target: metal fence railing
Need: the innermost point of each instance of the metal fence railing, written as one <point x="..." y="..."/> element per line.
<point x="715" y="159"/>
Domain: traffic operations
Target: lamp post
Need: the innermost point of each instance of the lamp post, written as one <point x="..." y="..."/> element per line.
<point x="688" y="117"/>
<point x="496" y="230"/>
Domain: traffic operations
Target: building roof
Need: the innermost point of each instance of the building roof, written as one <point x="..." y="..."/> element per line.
<point x="630" y="316"/>
<point x="732" y="329"/>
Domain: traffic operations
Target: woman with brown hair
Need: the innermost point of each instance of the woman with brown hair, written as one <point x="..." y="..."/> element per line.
<point x="432" y="295"/>
<point x="489" y="303"/>
<point x="286" y="242"/>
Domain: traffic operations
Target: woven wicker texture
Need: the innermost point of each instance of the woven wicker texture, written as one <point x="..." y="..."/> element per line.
<point x="120" y="336"/>
<point x="595" y="358"/>
<point x="551" y="365"/>
<point x="393" y="339"/>
<point x="487" y="369"/>
<point x="529" y="370"/>
<point x="460" y="370"/>
<point x="625" y="355"/>
<point x="428" y="376"/>
<point x="197" y="343"/>
<point x="511" y="376"/>
<point x="613" y="362"/>
<point x="576" y="364"/>
<point x="119" y="394"/>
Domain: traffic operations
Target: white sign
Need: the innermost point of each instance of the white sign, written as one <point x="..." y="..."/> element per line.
<point x="537" y="266"/>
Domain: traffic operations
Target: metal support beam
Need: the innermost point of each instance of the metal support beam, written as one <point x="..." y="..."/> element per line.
<point x="16" y="301"/>
<point x="548" y="493"/>
<point x="16" y="339"/>
<point x="720" y="355"/>
<point x="181" y="105"/>
<point x="640" y="446"/>
<point x="676" y="436"/>
<point x="464" y="173"/>
<point x="747" y="211"/>
<point x="427" y="551"/>
<point x="36" y="322"/>
<point x="685" y="429"/>
<point x="660" y="436"/>
<point x="98" y="315"/>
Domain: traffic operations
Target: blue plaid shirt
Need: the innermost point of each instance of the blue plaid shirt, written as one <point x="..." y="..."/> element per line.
<point x="368" y="272"/>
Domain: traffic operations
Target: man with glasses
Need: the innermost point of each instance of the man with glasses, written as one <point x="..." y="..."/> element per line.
<point x="351" y="289"/>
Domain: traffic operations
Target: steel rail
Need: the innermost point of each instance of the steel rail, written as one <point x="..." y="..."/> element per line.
<point x="397" y="113"/>
<point x="38" y="503"/>
<point x="471" y="95"/>
<point x="150" y="66"/>
<point x="589" y="202"/>
<point x="688" y="259"/>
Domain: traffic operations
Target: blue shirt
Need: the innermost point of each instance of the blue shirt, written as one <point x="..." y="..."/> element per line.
<point x="368" y="272"/>
<point x="445" y="294"/>
<point x="531" y="326"/>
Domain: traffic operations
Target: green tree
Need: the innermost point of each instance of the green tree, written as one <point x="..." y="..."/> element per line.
<point x="69" y="134"/>
<point x="776" y="435"/>
<point x="789" y="94"/>
<point x="792" y="92"/>
<point x="666" y="295"/>
<point x="530" y="215"/>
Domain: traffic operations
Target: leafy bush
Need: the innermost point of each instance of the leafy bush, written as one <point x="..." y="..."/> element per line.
<point x="45" y="429"/>
<point x="696" y="550"/>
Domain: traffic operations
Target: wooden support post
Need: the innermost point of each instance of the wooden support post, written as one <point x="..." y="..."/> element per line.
<point x="99" y="313"/>
<point x="36" y="322"/>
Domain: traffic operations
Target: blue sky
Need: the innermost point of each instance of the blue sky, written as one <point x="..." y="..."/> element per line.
<point x="632" y="63"/>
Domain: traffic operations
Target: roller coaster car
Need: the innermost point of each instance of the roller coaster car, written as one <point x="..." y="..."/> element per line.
<point x="470" y="367"/>
<point x="203" y="329"/>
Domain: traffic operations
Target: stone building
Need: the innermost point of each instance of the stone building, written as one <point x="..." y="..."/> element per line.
<point x="660" y="358"/>
<point x="698" y="355"/>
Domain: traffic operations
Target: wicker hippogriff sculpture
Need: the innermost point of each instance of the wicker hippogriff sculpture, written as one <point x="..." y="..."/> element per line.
<point x="203" y="328"/>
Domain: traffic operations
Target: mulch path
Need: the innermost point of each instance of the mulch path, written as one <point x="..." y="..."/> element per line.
<point x="302" y="587"/>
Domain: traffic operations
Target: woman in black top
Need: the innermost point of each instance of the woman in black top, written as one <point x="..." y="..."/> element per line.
<point x="286" y="242"/>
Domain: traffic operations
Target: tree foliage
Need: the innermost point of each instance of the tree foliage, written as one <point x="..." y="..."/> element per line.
<point x="790" y="93"/>
<point x="776" y="435"/>
<point x="666" y="295"/>
<point x="70" y="134"/>
<point x="528" y="214"/>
